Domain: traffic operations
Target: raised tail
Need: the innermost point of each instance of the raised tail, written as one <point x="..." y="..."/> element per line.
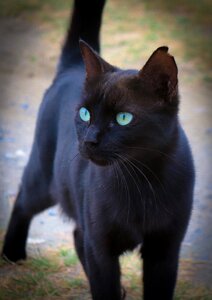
<point x="85" y="23"/>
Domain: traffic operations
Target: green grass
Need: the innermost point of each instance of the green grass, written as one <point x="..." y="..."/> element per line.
<point x="136" y="27"/>
<point x="44" y="264"/>
<point x="184" y="27"/>
<point x="57" y="274"/>
<point x="50" y="277"/>
<point x="14" y="8"/>
<point x="184" y="291"/>
<point x="75" y="283"/>
<point x="69" y="257"/>
<point x="28" y="285"/>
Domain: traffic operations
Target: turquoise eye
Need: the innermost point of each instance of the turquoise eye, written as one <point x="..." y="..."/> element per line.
<point x="84" y="114"/>
<point x="124" y="118"/>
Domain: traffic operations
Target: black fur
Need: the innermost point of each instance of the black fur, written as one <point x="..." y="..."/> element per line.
<point x="123" y="185"/>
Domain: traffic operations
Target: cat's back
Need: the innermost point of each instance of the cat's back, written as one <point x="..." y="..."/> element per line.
<point x="59" y="103"/>
<point x="55" y="123"/>
<point x="66" y="89"/>
<point x="184" y="154"/>
<point x="179" y="176"/>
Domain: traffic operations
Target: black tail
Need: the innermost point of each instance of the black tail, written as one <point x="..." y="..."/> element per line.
<point x="85" y="24"/>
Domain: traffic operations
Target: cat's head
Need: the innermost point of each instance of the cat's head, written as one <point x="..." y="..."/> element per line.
<point x="127" y="113"/>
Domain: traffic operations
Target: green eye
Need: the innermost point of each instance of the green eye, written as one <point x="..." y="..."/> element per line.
<point x="84" y="114"/>
<point x="124" y="118"/>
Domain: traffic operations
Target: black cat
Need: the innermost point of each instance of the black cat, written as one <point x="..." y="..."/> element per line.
<point x="109" y="148"/>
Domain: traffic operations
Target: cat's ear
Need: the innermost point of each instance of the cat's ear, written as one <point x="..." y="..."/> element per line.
<point x="94" y="64"/>
<point x="160" y="72"/>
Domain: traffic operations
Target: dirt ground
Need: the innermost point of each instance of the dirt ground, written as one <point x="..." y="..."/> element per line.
<point x="27" y="64"/>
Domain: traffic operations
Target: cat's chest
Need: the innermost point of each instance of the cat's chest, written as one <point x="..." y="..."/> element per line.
<point x="130" y="202"/>
<point x="127" y="210"/>
<point x="123" y="238"/>
<point x="132" y="206"/>
<point x="126" y="227"/>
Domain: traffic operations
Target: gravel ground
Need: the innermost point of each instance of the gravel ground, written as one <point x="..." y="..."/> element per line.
<point x="27" y="67"/>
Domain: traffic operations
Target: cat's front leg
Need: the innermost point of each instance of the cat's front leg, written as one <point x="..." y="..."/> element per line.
<point x="160" y="262"/>
<point x="103" y="272"/>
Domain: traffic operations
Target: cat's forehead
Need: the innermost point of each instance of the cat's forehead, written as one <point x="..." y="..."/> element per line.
<point x="114" y="89"/>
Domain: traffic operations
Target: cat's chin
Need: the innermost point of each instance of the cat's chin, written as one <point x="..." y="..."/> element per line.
<point x="99" y="161"/>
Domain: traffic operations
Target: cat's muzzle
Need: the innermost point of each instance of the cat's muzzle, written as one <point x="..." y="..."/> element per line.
<point x="93" y="153"/>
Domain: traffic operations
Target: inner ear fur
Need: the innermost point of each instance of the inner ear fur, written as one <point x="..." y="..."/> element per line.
<point x="160" y="72"/>
<point x="95" y="65"/>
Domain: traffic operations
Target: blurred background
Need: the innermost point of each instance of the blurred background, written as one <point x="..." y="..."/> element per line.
<point x="31" y="35"/>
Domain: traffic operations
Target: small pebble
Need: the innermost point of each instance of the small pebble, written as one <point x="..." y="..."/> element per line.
<point x="24" y="106"/>
<point x="209" y="131"/>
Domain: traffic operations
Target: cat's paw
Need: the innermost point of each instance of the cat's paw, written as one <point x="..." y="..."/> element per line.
<point x="123" y="293"/>
<point x="11" y="255"/>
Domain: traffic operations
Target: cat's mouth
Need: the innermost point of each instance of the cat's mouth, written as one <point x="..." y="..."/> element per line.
<point x="97" y="159"/>
<point x="101" y="158"/>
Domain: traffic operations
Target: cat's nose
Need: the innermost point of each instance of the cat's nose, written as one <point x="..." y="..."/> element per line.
<point x="91" y="145"/>
<point x="92" y="138"/>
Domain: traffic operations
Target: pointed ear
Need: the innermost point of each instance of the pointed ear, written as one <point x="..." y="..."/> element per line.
<point x="160" y="72"/>
<point x="94" y="64"/>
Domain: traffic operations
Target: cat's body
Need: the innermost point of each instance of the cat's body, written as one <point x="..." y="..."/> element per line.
<point x="123" y="185"/>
